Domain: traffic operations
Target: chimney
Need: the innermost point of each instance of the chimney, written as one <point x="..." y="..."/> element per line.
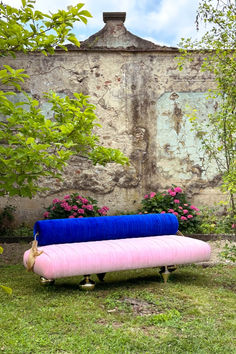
<point x="114" y="16"/>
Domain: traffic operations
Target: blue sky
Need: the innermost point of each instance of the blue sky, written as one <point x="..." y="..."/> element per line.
<point x="163" y="22"/>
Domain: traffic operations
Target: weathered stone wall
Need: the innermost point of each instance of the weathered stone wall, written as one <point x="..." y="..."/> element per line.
<point x="141" y="99"/>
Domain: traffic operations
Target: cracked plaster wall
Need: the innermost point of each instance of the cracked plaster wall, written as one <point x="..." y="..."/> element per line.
<point x="140" y="99"/>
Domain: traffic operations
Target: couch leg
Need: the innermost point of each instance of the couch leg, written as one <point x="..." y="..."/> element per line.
<point x="165" y="274"/>
<point x="45" y="281"/>
<point x="101" y="276"/>
<point x="171" y="268"/>
<point x="87" y="283"/>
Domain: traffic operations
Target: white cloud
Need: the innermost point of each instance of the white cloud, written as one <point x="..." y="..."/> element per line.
<point x="172" y="19"/>
<point x="153" y="40"/>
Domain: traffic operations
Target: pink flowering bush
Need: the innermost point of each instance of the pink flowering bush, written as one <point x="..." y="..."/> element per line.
<point x="74" y="206"/>
<point x="173" y="201"/>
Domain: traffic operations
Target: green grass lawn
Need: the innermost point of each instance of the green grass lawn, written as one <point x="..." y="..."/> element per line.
<point x="132" y="312"/>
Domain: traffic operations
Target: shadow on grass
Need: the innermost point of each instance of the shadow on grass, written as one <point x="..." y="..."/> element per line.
<point x="139" y="278"/>
<point x="115" y="281"/>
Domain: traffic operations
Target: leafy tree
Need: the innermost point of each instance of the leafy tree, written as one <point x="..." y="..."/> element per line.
<point x="217" y="49"/>
<point x="31" y="145"/>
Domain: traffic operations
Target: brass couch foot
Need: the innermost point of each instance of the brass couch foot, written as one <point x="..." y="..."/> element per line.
<point x="45" y="281"/>
<point x="87" y="283"/>
<point x="165" y="274"/>
<point x="166" y="270"/>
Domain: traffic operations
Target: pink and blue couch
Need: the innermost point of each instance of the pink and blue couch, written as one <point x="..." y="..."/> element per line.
<point x="97" y="245"/>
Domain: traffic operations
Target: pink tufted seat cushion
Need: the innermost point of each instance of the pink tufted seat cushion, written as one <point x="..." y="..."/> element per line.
<point x="70" y="259"/>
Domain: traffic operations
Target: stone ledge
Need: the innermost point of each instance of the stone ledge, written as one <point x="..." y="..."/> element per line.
<point x="213" y="237"/>
<point x="15" y="239"/>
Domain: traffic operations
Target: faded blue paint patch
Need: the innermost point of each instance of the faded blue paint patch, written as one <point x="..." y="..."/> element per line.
<point x="179" y="150"/>
<point x="45" y="107"/>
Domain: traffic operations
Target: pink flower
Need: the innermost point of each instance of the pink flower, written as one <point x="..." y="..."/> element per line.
<point x="74" y="214"/>
<point x="178" y="190"/>
<point x="183" y="218"/>
<point x="71" y="217"/>
<point x="163" y="212"/>
<point x="146" y="196"/>
<point x="185" y="204"/>
<point x="67" y="196"/>
<point x="56" y="201"/>
<point x="80" y="216"/>
<point x="185" y="211"/>
<point x="105" y="208"/>
<point x="78" y="197"/>
<point x="190" y="216"/>
<point x="175" y="213"/>
<point x="171" y="192"/>
<point x="233" y="226"/>
<point x="46" y="214"/>
<point x="75" y="207"/>
<point x="102" y="212"/>
<point x="89" y="207"/>
<point x="64" y="205"/>
<point x="80" y="211"/>
<point x="84" y="200"/>
<point x="194" y="208"/>
<point x="53" y="208"/>
<point x="152" y="194"/>
<point x="176" y="201"/>
<point x="170" y="210"/>
<point x="180" y="207"/>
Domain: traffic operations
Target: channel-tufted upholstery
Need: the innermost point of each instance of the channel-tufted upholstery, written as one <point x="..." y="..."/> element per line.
<point x="63" y="260"/>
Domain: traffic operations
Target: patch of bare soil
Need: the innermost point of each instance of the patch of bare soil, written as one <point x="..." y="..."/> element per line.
<point x="13" y="253"/>
<point x="140" y="307"/>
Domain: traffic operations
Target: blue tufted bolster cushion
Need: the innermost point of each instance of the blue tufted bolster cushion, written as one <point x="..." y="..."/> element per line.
<point x="58" y="231"/>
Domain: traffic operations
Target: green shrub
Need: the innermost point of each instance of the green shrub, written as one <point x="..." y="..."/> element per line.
<point x="74" y="206"/>
<point x="213" y="221"/>
<point x="173" y="201"/>
<point x="229" y="252"/>
<point x="6" y="218"/>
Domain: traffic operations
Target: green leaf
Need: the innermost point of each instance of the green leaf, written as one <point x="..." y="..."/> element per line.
<point x="6" y="289"/>
<point x="74" y="40"/>
<point x="30" y="141"/>
<point x="85" y="13"/>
